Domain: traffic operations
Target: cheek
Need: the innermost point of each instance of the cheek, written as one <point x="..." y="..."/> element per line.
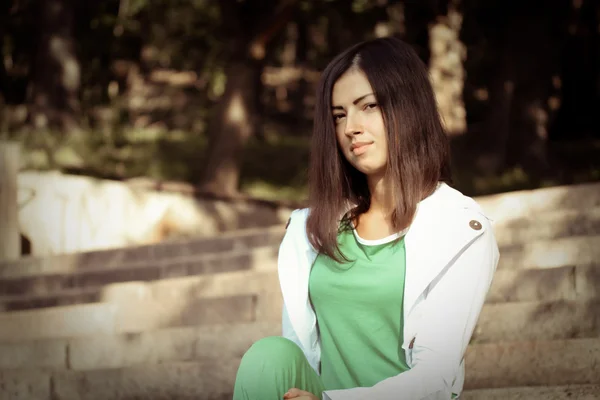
<point x="338" y="136"/>
<point x="379" y="128"/>
<point x="384" y="146"/>
<point x="382" y="140"/>
<point x="341" y="140"/>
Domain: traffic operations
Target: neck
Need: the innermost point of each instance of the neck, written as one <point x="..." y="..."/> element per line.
<point x="382" y="200"/>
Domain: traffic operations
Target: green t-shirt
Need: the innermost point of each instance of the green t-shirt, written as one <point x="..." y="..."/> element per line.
<point x="359" y="311"/>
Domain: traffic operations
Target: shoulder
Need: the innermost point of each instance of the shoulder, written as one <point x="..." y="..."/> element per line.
<point x="457" y="218"/>
<point x="447" y="200"/>
<point x="297" y="218"/>
<point x="295" y="229"/>
<point x="471" y="217"/>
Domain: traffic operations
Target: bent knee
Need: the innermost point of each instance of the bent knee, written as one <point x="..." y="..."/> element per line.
<point x="274" y="349"/>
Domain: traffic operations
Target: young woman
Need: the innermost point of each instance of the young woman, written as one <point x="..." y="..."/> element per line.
<point x="384" y="276"/>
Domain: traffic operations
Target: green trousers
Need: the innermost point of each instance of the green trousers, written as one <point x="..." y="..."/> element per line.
<point x="271" y="367"/>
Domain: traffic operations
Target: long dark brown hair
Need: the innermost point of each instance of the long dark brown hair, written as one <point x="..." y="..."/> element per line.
<point x="418" y="148"/>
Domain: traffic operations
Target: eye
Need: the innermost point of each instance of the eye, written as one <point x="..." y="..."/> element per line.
<point x="371" y="106"/>
<point x="337" y="117"/>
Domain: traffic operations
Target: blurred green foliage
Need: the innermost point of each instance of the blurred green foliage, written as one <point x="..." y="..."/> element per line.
<point x="123" y="47"/>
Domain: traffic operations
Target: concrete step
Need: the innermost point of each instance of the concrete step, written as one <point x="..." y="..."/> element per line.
<point x="506" y="365"/>
<point x="509" y="285"/>
<point x="125" y="317"/>
<point x="563" y="319"/>
<point x="569" y="283"/>
<point x="39" y="277"/>
<point x="569" y="392"/>
<point x="554" y="224"/>
<point x="139" y="256"/>
<point x="553" y="253"/>
<point x="200" y="380"/>
<point x="533" y="363"/>
<point x="209" y="285"/>
<point x="256" y="259"/>
<point x="102" y="351"/>
<point x="79" y="349"/>
<point x="258" y="297"/>
<point x="524" y="203"/>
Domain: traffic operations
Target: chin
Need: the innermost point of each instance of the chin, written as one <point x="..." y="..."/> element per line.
<point x="369" y="169"/>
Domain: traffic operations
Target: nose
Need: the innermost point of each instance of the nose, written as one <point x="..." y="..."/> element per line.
<point x="353" y="125"/>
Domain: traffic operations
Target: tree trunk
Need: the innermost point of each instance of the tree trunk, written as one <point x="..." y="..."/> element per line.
<point x="531" y="111"/>
<point x="302" y="63"/>
<point x="10" y="239"/>
<point x="447" y="55"/>
<point x="231" y="127"/>
<point x="489" y="143"/>
<point x="234" y="120"/>
<point x="56" y="77"/>
<point x="514" y="95"/>
<point x="580" y="76"/>
<point x="4" y="10"/>
<point x="596" y="65"/>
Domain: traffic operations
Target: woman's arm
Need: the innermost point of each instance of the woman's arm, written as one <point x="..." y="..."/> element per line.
<point x="449" y="317"/>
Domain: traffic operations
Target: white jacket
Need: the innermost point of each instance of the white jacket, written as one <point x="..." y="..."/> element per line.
<point x="451" y="257"/>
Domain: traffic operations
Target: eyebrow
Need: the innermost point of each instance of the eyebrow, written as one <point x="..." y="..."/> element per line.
<point x="355" y="102"/>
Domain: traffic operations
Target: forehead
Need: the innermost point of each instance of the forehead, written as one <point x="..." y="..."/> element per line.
<point x="350" y="86"/>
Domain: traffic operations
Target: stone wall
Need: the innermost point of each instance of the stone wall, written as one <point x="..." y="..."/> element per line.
<point x="61" y="213"/>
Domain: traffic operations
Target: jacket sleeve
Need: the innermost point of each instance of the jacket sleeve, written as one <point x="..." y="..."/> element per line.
<point x="288" y="331"/>
<point x="449" y="317"/>
<point x="286" y="328"/>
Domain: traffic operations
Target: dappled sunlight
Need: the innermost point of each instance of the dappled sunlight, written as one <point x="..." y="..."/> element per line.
<point x="273" y="76"/>
<point x="237" y="112"/>
<point x="153" y="67"/>
<point x="482" y="94"/>
<point x="264" y="190"/>
<point x="446" y="61"/>
<point x="59" y="48"/>
<point x="555" y="253"/>
<point x="195" y="300"/>
<point x="560" y="223"/>
<point x="504" y="207"/>
<point x="64" y="214"/>
<point x="176" y="78"/>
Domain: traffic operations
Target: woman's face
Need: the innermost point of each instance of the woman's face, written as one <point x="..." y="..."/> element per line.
<point x="359" y="126"/>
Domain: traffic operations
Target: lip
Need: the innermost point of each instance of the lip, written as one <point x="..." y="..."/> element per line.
<point x="359" y="148"/>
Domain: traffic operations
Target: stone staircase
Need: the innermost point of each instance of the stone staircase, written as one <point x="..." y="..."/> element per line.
<point x="171" y="321"/>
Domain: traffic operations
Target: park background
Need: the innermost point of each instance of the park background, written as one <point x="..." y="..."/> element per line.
<point x="220" y="94"/>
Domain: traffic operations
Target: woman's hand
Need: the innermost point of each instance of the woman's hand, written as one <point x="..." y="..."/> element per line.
<point x="298" y="394"/>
